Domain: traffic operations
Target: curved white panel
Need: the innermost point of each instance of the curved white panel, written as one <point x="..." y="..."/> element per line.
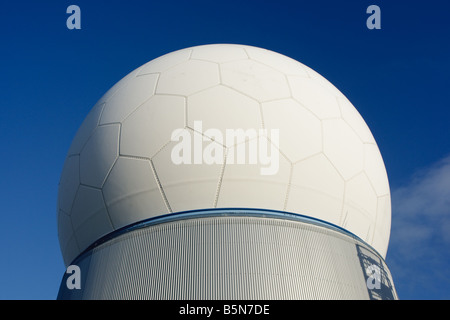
<point x="326" y="163"/>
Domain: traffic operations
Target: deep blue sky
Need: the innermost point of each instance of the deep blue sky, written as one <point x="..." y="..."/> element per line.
<point x="397" y="77"/>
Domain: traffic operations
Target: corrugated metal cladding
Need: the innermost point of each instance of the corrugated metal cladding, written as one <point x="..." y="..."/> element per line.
<point x="229" y="257"/>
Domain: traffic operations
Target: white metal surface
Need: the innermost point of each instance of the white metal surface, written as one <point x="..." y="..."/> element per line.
<point x="230" y="258"/>
<point x="329" y="164"/>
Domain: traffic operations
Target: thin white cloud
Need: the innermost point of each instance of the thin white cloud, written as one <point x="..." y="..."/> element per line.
<point x="420" y="234"/>
<point x="426" y="199"/>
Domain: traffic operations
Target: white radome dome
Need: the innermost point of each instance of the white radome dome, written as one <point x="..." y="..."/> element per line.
<point x="119" y="169"/>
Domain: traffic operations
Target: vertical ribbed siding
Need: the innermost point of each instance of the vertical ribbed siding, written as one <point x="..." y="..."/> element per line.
<point x="226" y="257"/>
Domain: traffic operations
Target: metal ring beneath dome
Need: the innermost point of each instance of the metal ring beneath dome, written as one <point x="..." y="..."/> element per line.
<point x="215" y="212"/>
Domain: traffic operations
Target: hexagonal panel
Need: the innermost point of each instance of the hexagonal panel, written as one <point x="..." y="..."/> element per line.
<point x="188" y="77"/>
<point x="277" y="61"/>
<point x="314" y="97"/>
<point x="165" y="62"/>
<point x="343" y="147"/>
<point x="300" y="132"/>
<point x="383" y="221"/>
<point x="255" y="79"/>
<point x="99" y="154"/>
<point x="360" y="205"/>
<point x="382" y="225"/>
<point x="147" y="129"/>
<point x="69" y="182"/>
<point x="65" y="230"/>
<point x="219" y="53"/>
<point x="85" y="130"/>
<point x="224" y="109"/>
<point x="71" y="250"/>
<point x="128" y="98"/>
<point x="64" y="226"/>
<point x="120" y="84"/>
<point x="131" y="192"/>
<point x="379" y="242"/>
<point x="90" y="219"/>
<point x="375" y="169"/>
<point x="327" y="85"/>
<point x="355" y="121"/>
<point x="317" y="189"/>
<point x="188" y="185"/>
<point x="247" y="184"/>
<point x="357" y="223"/>
<point x="359" y="194"/>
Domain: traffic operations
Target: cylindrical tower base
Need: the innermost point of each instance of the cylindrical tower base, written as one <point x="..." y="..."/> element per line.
<point x="231" y="254"/>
